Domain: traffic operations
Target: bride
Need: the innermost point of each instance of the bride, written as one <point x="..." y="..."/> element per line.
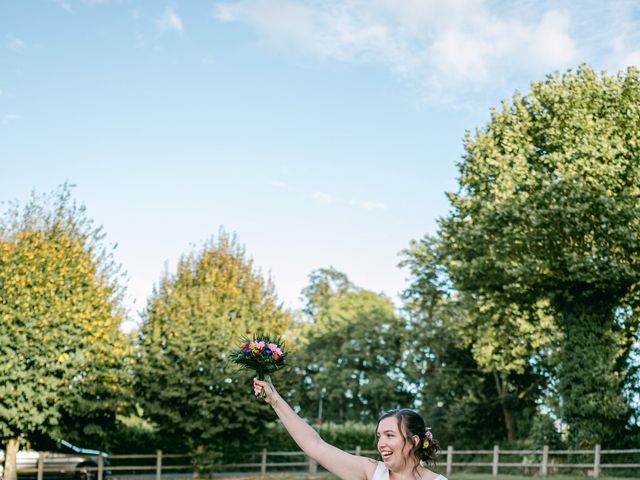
<point x="404" y="444"/>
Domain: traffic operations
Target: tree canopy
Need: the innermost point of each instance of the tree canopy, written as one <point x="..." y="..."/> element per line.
<point x="64" y="355"/>
<point x="193" y="319"/>
<point x="547" y="212"/>
<point x="349" y="354"/>
<point x="471" y="359"/>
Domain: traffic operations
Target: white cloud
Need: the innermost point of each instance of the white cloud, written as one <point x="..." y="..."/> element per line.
<point x="169" y="21"/>
<point x="619" y="36"/>
<point x="95" y="2"/>
<point x="368" y="205"/>
<point x="64" y="5"/>
<point x="550" y="43"/>
<point x="15" y="44"/>
<point x="322" y="198"/>
<point x="10" y="117"/>
<point x="452" y="45"/>
<point x="278" y="184"/>
<point x="632" y="59"/>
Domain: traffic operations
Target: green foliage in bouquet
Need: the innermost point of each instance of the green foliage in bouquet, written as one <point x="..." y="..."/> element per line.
<point x="263" y="354"/>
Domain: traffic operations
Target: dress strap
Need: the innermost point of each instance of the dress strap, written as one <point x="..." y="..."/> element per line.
<point x="381" y="472"/>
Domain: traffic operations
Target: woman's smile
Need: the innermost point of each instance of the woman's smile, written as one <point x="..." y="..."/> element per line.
<point x="391" y="442"/>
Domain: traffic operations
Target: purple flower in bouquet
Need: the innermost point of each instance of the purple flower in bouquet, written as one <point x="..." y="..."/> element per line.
<point x="262" y="354"/>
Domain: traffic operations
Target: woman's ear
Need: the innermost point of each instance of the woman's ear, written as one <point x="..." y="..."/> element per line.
<point x="416" y="440"/>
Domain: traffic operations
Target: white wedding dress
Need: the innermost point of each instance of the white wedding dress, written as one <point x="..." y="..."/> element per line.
<point x="382" y="473"/>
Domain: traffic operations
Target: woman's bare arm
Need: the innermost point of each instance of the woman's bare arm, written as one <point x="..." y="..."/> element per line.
<point x="338" y="462"/>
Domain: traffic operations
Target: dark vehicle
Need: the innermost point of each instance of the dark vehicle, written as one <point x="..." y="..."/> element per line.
<point x="61" y="459"/>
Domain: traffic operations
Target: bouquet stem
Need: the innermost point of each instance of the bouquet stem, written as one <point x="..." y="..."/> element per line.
<point x="267" y="378"/>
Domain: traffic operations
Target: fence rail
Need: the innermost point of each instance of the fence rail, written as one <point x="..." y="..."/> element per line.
<point x="543" y="462"/>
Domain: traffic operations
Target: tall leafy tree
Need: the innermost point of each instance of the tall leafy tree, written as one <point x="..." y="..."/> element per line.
<point x="474" y="372"/>
<point x="192" y="320"/>
<point x="63" y="352"/>
<point x="349" y="354"/>
<point x="547" y="210"/>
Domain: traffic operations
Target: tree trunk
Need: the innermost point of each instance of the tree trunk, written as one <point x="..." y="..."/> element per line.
<point x="593" y="404"/>
<point x="502" y="386"/>
<point x="10" y="472"/>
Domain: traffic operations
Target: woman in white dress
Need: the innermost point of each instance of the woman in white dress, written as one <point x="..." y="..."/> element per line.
<point x="405" y="445"/>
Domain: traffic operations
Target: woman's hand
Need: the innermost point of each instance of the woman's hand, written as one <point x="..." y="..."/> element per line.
<point x="270" y="394"/>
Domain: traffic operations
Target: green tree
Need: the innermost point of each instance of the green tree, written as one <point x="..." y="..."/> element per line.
<point x="516" y="346"/>
<point x="192" y="320"/>
<point x="350" y="352"/>
<point x="60" y="312"/>
<point x="474" y="366"/>
<point x="547" y="211"/>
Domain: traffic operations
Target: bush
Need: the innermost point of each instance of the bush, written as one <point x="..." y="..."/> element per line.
<point x="346" y="436"/>
<point x="544" y="432"/>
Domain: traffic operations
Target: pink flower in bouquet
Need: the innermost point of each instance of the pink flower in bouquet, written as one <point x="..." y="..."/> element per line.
<point x="263" y="354"/>
<point x="276" y="351"/>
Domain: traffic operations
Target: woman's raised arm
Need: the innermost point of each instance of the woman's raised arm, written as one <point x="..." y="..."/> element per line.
<point x="338" y="462"/>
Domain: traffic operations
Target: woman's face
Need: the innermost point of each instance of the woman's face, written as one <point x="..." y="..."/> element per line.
<point x="392" y="445"/>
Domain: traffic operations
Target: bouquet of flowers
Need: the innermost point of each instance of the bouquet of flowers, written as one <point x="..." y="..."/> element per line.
<point x="262" y="354"/>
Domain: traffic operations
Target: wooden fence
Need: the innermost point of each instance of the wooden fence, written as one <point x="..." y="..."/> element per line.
<point x="542" y="462"/>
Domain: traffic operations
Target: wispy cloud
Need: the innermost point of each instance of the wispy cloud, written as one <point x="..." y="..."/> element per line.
<point x="632" y="59"/>
<point x="66" y="6"/>
<point x="368" y="205"/>
<point x="278" y="184"/>
<point x="170" y="21"/>
<point x="322" y="198"/>
<point x="14" y="43"/>
<point x="446" y="47"/>
<point x="10" y="117"/>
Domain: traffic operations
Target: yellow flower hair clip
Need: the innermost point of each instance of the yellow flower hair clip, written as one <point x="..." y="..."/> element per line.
<point x="427" y="436"/>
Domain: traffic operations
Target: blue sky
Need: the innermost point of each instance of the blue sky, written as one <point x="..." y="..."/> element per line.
<point x="323" y="133"/>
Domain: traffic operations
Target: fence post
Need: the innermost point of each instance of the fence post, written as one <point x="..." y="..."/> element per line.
<point x="263" y="463"/>
<point x="544" y="467"/>
<point x="596" y="461"/>
<point x="41" y="466"/>
<point x="313" y="466"/>
<point x="158" y="464"/>
<point x="449" y="460"/>
<point x="100" y="466"/>
<point x="496" y="458"/>
<point x="358" y="451"/>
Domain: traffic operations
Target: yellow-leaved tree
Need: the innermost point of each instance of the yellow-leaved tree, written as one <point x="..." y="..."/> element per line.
<point x="64" y="357"/>
<point x="193" y="319"/>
